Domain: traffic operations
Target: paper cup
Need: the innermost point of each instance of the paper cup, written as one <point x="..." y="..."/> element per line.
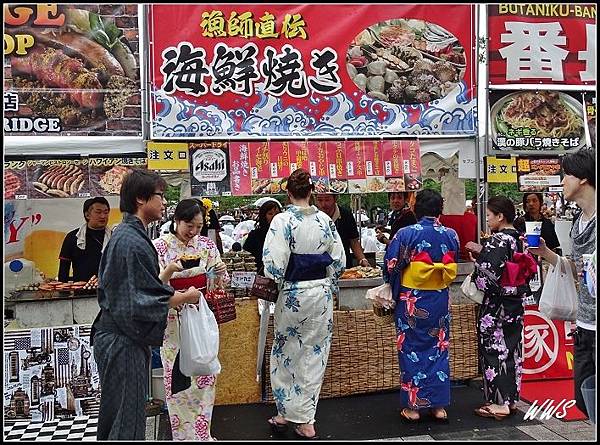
<point x="533" y="227"/>
<point x="533" y="231"/>
<point x="533" y="240"/>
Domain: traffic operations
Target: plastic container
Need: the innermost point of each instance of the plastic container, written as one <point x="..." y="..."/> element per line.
<point x="588" y="390"/>
<point x="158" y="384"/>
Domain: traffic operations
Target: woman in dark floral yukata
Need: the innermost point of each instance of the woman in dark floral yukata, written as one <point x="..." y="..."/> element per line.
<point x="502" y="272"/>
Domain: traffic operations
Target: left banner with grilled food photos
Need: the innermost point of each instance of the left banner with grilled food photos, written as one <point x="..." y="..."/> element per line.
<point x="50" y="373"/>
<point x="71" y="70"/>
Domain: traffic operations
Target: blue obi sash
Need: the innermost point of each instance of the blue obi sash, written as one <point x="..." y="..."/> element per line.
<point x="307" y="266"/>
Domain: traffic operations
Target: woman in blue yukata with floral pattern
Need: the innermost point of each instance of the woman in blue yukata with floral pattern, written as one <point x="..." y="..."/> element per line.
<point x="304" y="254"/>
<point x="502" y="272"/>
<point x="420" y="265"/>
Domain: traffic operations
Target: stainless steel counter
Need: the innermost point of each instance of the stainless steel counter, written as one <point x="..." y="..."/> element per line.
<point x="352" y="292"/>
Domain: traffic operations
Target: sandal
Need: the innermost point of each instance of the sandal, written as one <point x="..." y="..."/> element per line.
<point x="276" y="426"/>
<point x="513" y="409"/>
<point x="406" y="417"/>
<point x="304" y="437"/>
<point x="485" y="411"/>
<point x="443" y="418"/>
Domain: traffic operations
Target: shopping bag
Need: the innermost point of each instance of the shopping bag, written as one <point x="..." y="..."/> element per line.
<point x="558" y="300"/>
<point x="381" y="296"/>
<point x="470" y="290"/>
<point x="198" y="337"/>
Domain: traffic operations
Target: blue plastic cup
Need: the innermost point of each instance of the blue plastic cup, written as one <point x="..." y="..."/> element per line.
<point x="533" y="240"/>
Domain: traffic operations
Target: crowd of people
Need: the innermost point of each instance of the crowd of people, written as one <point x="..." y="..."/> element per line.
<point x="304" y="248"/>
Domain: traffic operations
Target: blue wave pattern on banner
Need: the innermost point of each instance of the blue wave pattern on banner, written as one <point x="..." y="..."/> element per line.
<point x="452" y="115"/>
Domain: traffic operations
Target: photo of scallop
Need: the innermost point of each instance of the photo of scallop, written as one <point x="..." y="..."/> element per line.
<point x="406" y="61"/>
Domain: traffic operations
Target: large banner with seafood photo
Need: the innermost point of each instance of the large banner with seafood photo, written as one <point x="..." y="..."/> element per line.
<point x="358" y="166"/>
<point x="537" y="121"/>
<point x="314" y="71"/>
<point x="543" y="43"/>
<point x="71" y="70"/>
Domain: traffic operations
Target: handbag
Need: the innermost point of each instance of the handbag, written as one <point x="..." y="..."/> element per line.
<point x="199" y="338"/>
<point x="558" y="300"/>
<point x="264" y="288"/>
<point x="469" y="289"/>
<point x="220" y="301"/>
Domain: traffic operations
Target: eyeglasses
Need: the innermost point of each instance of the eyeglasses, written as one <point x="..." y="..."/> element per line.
<point x="162" y="195"/>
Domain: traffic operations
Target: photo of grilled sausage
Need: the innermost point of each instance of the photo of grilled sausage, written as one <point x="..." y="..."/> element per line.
<point x="52" y="67"/>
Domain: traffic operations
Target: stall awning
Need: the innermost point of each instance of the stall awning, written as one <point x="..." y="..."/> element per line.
<point x="72" y="145"/>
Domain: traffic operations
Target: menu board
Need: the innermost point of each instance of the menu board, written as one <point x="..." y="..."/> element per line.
<point x="336" y="158"/>
<point x="537" y="175"/>
<point x="298" y="151"/>
<point x="239" y="158"/>
<point x="58" y="178"/>
<point x="411" y="157"/>
<point x="107" y="174"/>
<point x="355" y="166"/>
<point x="15" y="180"/>
<point x="537" y="121"/>
<point x="374" y="167"/>
<point x="393" y="167"/>
<point x="317" y="165"/>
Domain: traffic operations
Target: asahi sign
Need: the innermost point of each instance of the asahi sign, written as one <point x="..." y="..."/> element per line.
<point x="209" y="169"/>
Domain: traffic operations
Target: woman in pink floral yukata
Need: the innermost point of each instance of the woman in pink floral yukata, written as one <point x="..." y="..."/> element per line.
<point x="189" y="400"/>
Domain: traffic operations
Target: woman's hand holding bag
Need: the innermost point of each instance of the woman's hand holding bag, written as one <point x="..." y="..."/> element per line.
<point x="559" y="295"/>
<point x="199" y="340"/>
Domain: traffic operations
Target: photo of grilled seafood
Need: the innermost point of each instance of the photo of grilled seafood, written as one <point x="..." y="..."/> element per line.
<point x="338" y="186"/>
<point x="60" y="181"/>
<point x="405" y="61"/>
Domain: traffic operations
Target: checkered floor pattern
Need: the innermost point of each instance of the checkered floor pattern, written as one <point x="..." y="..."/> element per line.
<point x="78" y="428"/>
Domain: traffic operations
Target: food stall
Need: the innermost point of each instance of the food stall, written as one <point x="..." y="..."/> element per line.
<point x="68" y="137"/>
<point x="356" y="116"/>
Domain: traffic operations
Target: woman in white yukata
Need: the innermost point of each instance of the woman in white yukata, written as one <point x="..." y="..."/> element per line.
<point x="304" y="254"/>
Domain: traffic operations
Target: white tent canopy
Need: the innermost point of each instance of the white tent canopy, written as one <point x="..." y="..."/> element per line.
<point x="72" y="145"/>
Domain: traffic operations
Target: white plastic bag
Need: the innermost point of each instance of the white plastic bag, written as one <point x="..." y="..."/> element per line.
<point x="199" y="339"/>
<point x="211" y="368"/>
<point x="470" y="290"/>
<point x="381" y="296"/>
<point x="559" y="296"/>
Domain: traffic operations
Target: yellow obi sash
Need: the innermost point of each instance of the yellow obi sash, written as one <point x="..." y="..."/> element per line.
<point x="422" y="273"/>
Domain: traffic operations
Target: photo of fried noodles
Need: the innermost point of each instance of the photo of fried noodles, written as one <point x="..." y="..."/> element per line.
<point x="549" y="113"/>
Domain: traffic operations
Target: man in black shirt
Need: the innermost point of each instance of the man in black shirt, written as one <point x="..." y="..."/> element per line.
<point x="82" y="248"/>
<point x="402" y="215"/>
<point x="346" y="226"/>
<point x="532" y="204"/>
